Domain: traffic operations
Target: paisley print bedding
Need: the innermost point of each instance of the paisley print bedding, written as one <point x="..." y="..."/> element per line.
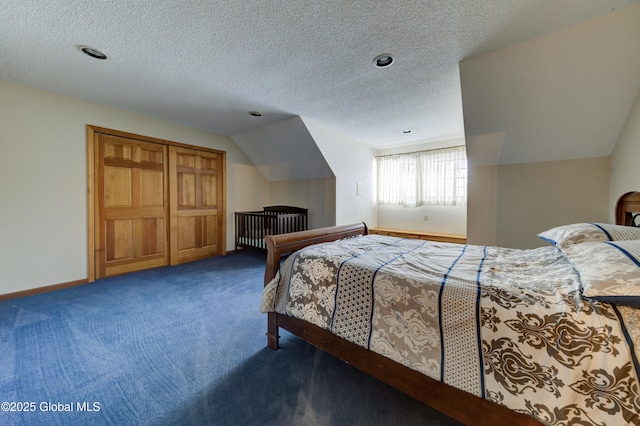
<point x="507" y="325"/>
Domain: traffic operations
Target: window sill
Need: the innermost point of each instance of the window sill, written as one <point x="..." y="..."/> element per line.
<point x="420" y="235"/>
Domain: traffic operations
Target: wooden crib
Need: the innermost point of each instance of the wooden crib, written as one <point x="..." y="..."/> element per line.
<point x="252" y="227"/>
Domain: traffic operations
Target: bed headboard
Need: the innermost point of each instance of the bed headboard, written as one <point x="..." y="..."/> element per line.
<point x="627" y="208"/>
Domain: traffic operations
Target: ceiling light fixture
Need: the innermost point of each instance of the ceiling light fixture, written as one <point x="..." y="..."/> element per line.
<point x="94" y="53"/>
<point x="383" y="61"/>
<point x="255" y="113"/>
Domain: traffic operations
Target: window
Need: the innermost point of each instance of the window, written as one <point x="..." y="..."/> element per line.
<point x="435" y="178"/>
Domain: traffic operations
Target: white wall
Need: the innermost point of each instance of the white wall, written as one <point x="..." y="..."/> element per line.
<point x="538" y="196"/>
<point x="317" y="195"/>
<point x="43" y="181"/>
<point x="351" y="163"/>
<point x="625" y="161"/>
<point x="562" y="96"/>
<point x="510" y="204"/>
<point x="482" y="204"/>
<point x="447" y="219"/>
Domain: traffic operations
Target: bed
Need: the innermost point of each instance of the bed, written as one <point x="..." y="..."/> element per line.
<point x="251" y="227"/>
<point x="486" y="335"/>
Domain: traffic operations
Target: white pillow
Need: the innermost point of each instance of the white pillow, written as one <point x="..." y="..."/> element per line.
<point x="567" y="235"/>
<point x="609" y="271"/>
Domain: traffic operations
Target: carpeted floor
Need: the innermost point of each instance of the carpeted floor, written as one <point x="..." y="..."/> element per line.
<point x="181" y="345"/>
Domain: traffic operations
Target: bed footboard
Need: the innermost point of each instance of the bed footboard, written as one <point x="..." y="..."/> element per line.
<point x="279" y="245"/>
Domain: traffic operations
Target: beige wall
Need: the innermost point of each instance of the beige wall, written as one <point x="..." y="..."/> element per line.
<point x="43" y="181"/>
<point x="317" y="195"/>
<point x="482" y="203"/>
<point x="43" y="204"/>
<point x="625" y="161"/>
<point x="510" y="204"/>
<point x="351" y="163"/>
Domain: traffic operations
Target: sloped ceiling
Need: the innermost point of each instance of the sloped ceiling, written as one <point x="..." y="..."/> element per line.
<point x="528" y="74"/>
<point x="284" y="151"/>
<point x="208" y="63"/>
<point x="560" y="96"/>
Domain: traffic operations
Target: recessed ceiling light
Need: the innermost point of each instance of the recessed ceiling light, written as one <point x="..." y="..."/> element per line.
<point x="255" y="113"/>
<point x="94" y="53"/>
<point x="383" y="61"/>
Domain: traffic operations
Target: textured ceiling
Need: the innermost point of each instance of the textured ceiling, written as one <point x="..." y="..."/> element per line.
<point x="207" y="63"/>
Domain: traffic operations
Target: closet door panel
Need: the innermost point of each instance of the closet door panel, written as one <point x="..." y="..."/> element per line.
<point x="119" y="240"/>
<point x="152" y="188"/>
<point x="186" y="233"/>
<point x="132" y="211"/>
<point x="208" y="191"/>
<point x="117" y="187"/>
<point x="153" y="236"/>
<point x="196" y="191"/>
<point x="186" y="189"/>
<point x="210" y="231"/>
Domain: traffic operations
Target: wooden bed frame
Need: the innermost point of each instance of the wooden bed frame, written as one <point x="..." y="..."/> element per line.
<point x="627" y="207"/>
<point x="457" y="404"/>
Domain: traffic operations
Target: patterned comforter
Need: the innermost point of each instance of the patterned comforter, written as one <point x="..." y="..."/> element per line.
<point x="507" y="325"/>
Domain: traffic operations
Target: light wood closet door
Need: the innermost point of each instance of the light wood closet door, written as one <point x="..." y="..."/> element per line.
<point x="131" y="211"/>
<point x="196" y="204"/>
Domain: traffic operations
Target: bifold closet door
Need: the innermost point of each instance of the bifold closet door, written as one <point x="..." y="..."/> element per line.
<point x="196" y="204"/>
<point x="131" y="205"/>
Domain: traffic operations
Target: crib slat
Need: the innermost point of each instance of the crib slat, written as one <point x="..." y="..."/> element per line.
<point x="252" y="227"/>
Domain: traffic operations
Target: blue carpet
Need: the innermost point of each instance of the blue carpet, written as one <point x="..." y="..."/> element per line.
<point x="178" y="345"/>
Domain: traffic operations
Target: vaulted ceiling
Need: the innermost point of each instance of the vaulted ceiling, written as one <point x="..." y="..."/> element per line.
<point x="563" y="95"/>
<point x="524" y="63"/>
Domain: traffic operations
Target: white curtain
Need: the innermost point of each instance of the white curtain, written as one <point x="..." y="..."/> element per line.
<point x="437" y="178"/>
